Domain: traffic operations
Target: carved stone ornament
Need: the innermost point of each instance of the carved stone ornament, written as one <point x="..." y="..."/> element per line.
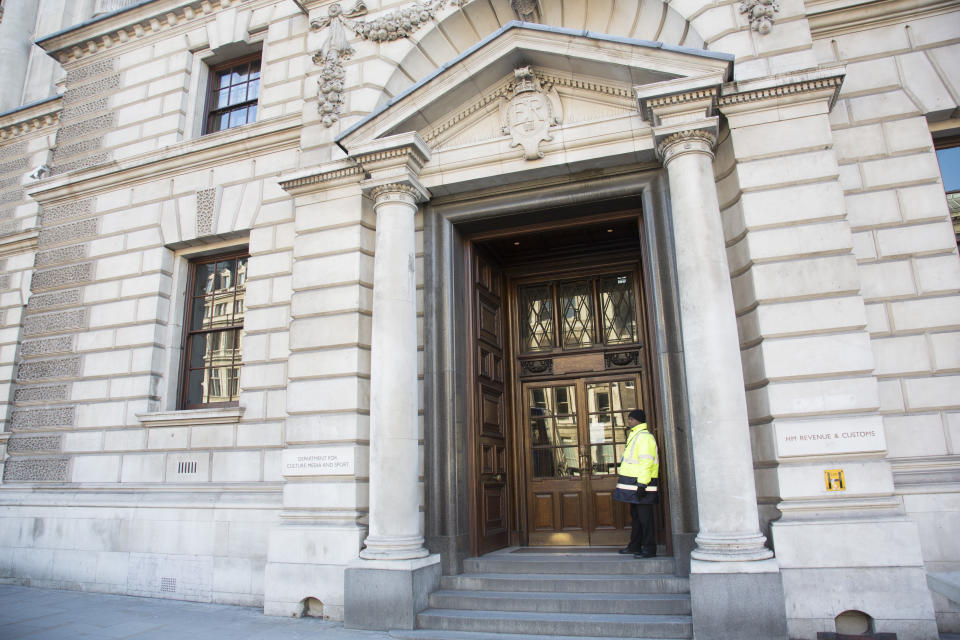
<point x="536" y="367"/>
<point x="336" y="48"/>
<point x="399" y="23"/>
<point x="529" y="114"/>
<point x="761" y="14"/>
<point x="621" y="359"/>
<point x="526" y="10"/>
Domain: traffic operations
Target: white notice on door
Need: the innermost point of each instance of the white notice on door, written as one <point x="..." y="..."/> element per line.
<point x="596" y="433"/>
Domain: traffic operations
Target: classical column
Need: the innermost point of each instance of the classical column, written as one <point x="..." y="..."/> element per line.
<point x="396" y="532"/>
<point x="726" y="495"/>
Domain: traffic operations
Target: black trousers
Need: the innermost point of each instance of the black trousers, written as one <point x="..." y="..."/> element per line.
<point x="642" y="535"/>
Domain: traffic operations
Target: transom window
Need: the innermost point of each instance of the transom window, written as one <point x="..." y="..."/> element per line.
<point x="214" y="331"/>
<point x="577" y="314"/>
<point x="234" y="91"/>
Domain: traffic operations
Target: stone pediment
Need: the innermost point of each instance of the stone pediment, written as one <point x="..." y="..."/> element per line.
<point x="526" y="80"/>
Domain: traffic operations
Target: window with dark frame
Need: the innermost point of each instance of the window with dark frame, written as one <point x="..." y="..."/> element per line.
<point x="213" y="331"/>
<point x="233" y="94"/>
<point x="948" y="156"/>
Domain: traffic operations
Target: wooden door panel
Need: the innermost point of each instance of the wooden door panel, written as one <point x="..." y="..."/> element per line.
<point x="543" y="512"/>
<point x="604" y="513"/>
<point x="491" y="413"/>
<point x="489" y="416"/>
<point x="571" y="511"/>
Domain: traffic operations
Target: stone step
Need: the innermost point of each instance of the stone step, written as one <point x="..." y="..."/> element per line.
<point x="576" y="624"/>
<point x="439" y="634"/>
<point x="552" y="602"/>
<point x="613" y="564"/>
<point x="567" y="583"/>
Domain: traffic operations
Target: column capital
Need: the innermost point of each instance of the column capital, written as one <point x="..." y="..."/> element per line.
<point x="407" y="190"/>
<point x="671" y="143"/>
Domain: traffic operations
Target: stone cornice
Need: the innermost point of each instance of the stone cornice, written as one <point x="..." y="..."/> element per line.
<point x="828" y="85"/>
<point x="30" y="119"/>
<point x="97" y="35"/>
<point x="17" y="243"/>
<point x="215" y="149"/>
<point x="348" y="170"/>
<point x="225" y="415"/>
<point x="649" y="106"/>
<point x="829" y="18"/>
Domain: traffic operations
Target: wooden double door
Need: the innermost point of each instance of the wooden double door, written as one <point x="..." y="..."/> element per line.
<point x="557" y="364"/>
<point x="576" y="436"/>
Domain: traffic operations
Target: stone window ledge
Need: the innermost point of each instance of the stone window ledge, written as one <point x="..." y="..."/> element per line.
<point x="220" y="415"/>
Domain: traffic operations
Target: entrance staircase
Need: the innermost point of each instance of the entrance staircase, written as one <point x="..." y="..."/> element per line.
<point x="557" y="594"/>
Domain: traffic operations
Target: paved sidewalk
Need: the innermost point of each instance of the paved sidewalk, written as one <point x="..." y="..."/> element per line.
<point x="28" y="613"/>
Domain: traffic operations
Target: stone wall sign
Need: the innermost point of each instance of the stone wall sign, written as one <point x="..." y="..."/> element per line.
<point x="818" y="438"/>
<point x="319" y="461"/>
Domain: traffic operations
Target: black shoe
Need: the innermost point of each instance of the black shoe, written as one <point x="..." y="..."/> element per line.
<point x="645" y="554"/>
<point x="626" y="550"/>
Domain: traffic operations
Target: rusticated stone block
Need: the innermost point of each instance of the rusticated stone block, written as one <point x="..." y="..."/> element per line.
<point x="11" y="196"/>
<point x="83" y="163"/>
<point x="73" y="209"/>
<point x="7" y="228"/>
<point x="85" y="146"/>
<point x="88" y="71"/>
<point x="18" y="164"/>
<point x="54" y="299"/>
<point x="62" y="276"/>
<point x="43" y="418"/>
<point x="57" y="322"/>
<point x="11" y="151"/>
<point x="9" y="182"/>
<point x="4" y="281"/>
<point x="33" y="444"/>
<point x="47" y="346"/>
<point x="78" y="111"/>
<point x="102" y="86"/>
<point x="61" y="254"/>
<point x="205" y="204"/>
<point x="80" y="230"/>
<point x="40" y="369"/>
<point x="37" y="470"/>
<point x="85" y="127"/>
<point x="49" y="393"/>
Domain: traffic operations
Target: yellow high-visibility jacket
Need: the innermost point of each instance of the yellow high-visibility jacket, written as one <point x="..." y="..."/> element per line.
<point x="640" y="459"/>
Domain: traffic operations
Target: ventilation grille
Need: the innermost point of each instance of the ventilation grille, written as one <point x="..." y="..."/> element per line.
<point x="186" y="468"/>
<point x="168" y="585"/>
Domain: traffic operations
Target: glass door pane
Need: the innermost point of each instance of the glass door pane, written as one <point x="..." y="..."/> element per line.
<point x="554" y="436"/>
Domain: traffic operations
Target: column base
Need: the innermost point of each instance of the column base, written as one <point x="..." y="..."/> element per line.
<point x="731" y="548"/>
<point x="394" y="548"/>
<point x="727" y="598"/>
<point x="381" y="595"/>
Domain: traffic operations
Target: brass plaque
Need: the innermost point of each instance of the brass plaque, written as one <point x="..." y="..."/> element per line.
<point x="578" y="364"/>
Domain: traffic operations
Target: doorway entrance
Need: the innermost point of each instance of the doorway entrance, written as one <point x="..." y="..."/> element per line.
<point x="558" y="361"/>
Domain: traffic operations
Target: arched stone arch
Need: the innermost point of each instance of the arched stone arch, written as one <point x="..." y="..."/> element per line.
<point x="458" y="29"/>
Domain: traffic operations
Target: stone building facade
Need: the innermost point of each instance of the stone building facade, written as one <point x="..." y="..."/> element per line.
<point x="270" y="325"/>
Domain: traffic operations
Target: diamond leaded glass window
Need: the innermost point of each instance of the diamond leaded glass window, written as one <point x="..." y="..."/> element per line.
<point x="588" y="312"/>
<point x="617" y="306"/>
<point x="536" y="322"/>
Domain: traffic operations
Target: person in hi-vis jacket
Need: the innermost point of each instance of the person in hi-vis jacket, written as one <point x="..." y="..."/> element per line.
<point x="637" y="484"/>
